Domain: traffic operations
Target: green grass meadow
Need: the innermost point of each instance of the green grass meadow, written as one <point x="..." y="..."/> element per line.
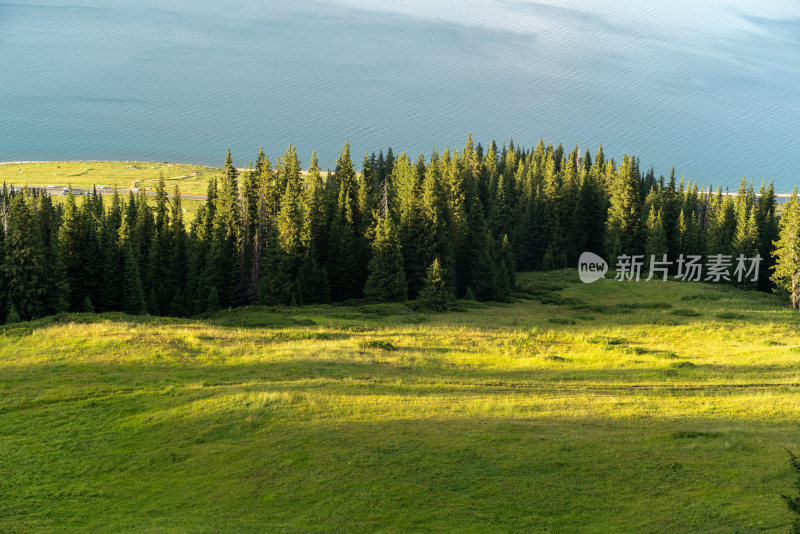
<point x="610" y="407"/>
<point x="123" y="174"/>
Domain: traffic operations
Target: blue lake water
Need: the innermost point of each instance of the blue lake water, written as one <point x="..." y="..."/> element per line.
<point x="711" y="89"/>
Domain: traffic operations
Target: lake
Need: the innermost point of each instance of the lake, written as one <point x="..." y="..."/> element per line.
<point x="710" y="88"/>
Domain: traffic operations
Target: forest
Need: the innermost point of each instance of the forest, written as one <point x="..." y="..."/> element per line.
<point x="459" y="224"/>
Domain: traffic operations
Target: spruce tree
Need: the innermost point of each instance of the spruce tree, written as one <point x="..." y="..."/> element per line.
<point x="406" y="209"/>
<point x="177" y="271"/>
<point x="312" y="280"/>
<point x="223" y="268"/>
<point x="657" y="243"/>
<point x="623" y="227"/>
<point x="347" y="253"/>
<point x="386" y="281"/>
<point x="92" y="253"/>
<point x="292" y="214"/>
<point x="112" y="276"/>
<point x="435" y="295"/>
<point x="24" y="265"/>
<point x="786" y="271"/>
<point x="315" y="225"/>
<point x="767" y="223"/>
<point x="132" y="294"/>
<point x="274" y="285"/>
<point x="56" y="288"/>
<point x="593" y="210"/>
<point x="71" y="253"/>
<point x="12" y="315"/>
<point x="437" y="220"/>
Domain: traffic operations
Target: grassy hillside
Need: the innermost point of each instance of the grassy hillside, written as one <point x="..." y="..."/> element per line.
<point x="649" y="407"/>
<point x="123" y="174"/>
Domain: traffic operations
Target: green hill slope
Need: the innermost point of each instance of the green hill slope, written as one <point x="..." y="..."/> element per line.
<point x="650" y="407"/>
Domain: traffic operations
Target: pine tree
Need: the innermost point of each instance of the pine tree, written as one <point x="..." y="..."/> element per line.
<point x="786" y="275"/>
<point x="112" y="279"/>
<point x="12" y="315"/>
<point x="132" y="295"/>
<point x="292" y="215"/>
<point x="386" y="281"/>
<point x="251" y="200"/>
<point x="70" y="242"/>
<point x="657" y="244"/>
<point x="162" y="250"/>
<point x="437" y="221"/>
<point x="548" y="261"/>
<point x="24" y="265"/>
<point x="213" y="304"/>
<point x="767" y="223"/>
<point x="435" y="295"/>
<point x="178" y="260"/>
<point x="505" y="271"/>
<point x="623" y="227"/>
<point x="224" y="268"/>
<point x="316" y="228"/>
<point x="274" y="285"/>
<point x="56" y="288"/>
<point x="721" y="228"/>
<point x="348" y="249"/>
<point x="593" y="210"/>
<point x="312" y="280"/>
<point x="406" y="209"/>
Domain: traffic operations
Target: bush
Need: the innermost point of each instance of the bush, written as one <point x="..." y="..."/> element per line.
<point x="377" y="344"/>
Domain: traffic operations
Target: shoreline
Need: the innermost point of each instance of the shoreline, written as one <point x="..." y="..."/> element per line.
<point x="242" y="169"/>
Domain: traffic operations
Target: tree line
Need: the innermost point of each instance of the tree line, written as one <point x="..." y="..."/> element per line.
<point x="459" y="224"/>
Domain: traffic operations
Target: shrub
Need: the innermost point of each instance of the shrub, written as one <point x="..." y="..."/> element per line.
<point x="377" y="344"/>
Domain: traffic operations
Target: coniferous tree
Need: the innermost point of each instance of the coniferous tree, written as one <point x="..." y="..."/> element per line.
<point x="12" y="315"/>
<point x="438" y="223"/>
<point x="274" y="285"/>
<point x="387" y="280"/>
<point x="767" y="223"/>
<point x="48" y="219"/>
<point x="505" y="271"/>
<point x="721" y="229"/>
<point x="786" y="275"/>
<point x="346" y="253"/>
<point x="292" y="215"/>
<point x="315" y="224"/>
<point x="623" y="228"/>
<point x="178" y="261"/>
<point x="435" y="295"/>
<point x="24" y="264"/>
<point x="407" y="185"/>
<point x="593" y="210"/>
<point x="112" y="269"/>
<point x="132" y="295"/>
<point x="70" y="241"/>
<point x="162" y="250"/>
<point x="312" y="279"/>
<point x="657" y="244"/>
<point x="224" y="268"/>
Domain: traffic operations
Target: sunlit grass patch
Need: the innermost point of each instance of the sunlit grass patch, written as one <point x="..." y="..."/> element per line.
<point x="523" y="416"/>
